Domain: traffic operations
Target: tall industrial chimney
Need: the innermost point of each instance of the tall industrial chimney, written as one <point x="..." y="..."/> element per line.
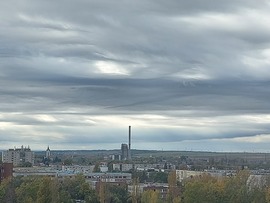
<point x="129" y="142"/>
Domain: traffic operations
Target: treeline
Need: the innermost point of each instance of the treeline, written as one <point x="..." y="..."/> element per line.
<point x="200" y="189"/>
<point x="46" y="190"/>
<point x="37" y="189"/>
<point x="241" y="188"/>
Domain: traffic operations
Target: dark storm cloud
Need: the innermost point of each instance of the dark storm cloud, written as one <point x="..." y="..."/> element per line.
<point x="190" y="70"/>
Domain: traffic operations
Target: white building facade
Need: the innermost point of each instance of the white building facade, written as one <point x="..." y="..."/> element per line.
<point x="18" y="156"/>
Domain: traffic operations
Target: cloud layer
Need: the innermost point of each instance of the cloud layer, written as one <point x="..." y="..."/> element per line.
<point x="190" y="74"/>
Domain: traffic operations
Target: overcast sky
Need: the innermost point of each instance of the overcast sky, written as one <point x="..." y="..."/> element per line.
<point x="186" y="75"/>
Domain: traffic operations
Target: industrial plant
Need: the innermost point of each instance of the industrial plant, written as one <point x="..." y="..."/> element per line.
<point x="126" y="149"/>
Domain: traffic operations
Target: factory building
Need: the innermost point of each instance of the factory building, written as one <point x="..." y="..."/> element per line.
<point x="126" y="149"/>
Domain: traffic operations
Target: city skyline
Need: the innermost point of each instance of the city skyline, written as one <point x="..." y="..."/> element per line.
<point x="186" y="75"/>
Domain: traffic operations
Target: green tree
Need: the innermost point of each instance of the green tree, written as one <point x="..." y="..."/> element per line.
<point x="118" y="194"/>
<point x="65" y="197"/>
<point x="48" y="191"/>
<point x="78" y="189"/>
<point x="150" y="196"/>
<point x="257" y="195"/>
<point x="68" y="162"/>
<point x="161" y="177"/>
<point x="56" y="160"/>
<point x="236" y="189"/>
<point x="204" y="189"/>
<point x="53" y="190"/>
<point x="96" y="168"/>
<point x="88" y="194"/>
<point x="27" y="191"/>
<point x="3" y="189"/>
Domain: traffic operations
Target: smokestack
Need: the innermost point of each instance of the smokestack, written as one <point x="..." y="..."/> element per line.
<point x="129" y="142"/>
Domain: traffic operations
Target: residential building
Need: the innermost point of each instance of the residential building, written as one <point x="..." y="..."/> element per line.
<point x="67" y="172"/>
<point x="109" y="177"/>
<point x="76" y="169"/>
<point x="162" y="190"/>
<point x="18" y="156"/>
<point x="117" y="167"/>
<point x="116" y="157"/>
<point x="126" y="167"/>
<point x="182" y="175"/>
<point x="103" y="169"/>
<point x="185" y="174"/>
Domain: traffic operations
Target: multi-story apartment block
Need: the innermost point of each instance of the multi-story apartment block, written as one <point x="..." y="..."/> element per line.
<point x="126" y="167"/>
<point x="182" y="175"/>
<point x="18" y="156"/>
<point x="117" y="167"/>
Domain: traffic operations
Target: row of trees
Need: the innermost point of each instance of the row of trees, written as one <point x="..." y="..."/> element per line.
<point x="200" y="189"/>
<point x="36" y="189"/>
<point x="207" y="189"/>
<point x="46" y="190"/>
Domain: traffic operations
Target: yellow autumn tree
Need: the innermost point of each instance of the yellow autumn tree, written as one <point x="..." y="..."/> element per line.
<point x="173" y="192"/>
<point x="135" y="191"/>
<point x="150" y="196"/>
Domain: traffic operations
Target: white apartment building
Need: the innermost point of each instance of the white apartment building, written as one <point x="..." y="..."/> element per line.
<point x="117" y="167"/>
<point x="18" y="156"/>
<point x="126" y="167"/>
<point x="182" y="175"/>
<point x="78" y="169"/>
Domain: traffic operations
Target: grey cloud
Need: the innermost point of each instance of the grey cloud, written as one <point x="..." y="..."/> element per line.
<point x="168" y="47"/>
<point x="179" y="59"/>
<point x="144" y="95"/>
